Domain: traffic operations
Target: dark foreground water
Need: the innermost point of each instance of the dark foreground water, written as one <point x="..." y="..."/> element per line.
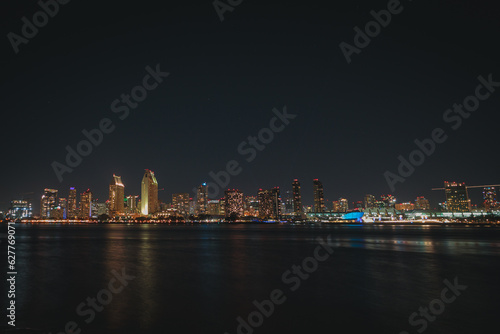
<point x="201" y="278"/>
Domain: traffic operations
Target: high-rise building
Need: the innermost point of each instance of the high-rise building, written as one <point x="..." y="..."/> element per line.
<point x="180" y="202"/>
<point x="288" y="206"/>
<point x="370" y="201"/>
<point x="86" y="204"/>
<point x="20" y="209"/>
<point x="149" y="193"/>
<point x="201" y="199"/>
<point x="213" y="207"/>
<point x="132" y="205"/>
<point x="63" y="205"/>
<point x="251" y="206"/>
<point x="319" y="199"/>
<point x="71" y="211"/>
<point x="490" y="198"/>
<point x="48" y="202"/>
<point x="297" y="198"/>
<point x="234" y="203"/>
<point x="116" y="196"/>
<point x="457" y="198"/>
<point x="422" y="203"/>
<point x="343" y="205"/>
<point x="269" y="203"/>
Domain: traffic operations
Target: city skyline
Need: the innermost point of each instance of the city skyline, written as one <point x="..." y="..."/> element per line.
<point x="233" y="201"/>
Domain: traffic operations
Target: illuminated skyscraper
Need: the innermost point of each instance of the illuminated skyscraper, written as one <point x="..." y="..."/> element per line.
<point x="269" y="203"/>
<point x="63" y="205"/>
<point x="421" y="203"/>
<point x="297" y="198"/>
<point x="201" y="199"/>
<point x="180" y="202"/>
<point x="319" y="199"/>
<point x="234" y="203"/>
<point x="149" y="193"/>
<point x="71" y="211"/>
<point x="457" y="198"/>
<point x="116" y="196"/>
<point x="251" y="206"/>
<point x="132" y="205"/>
<point x="48" y="203"/>
<point x="490" y="198"/>
<point x="86" y="204"/>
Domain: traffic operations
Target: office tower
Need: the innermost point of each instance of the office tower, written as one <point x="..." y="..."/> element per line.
<point x="201" y="199"/>
<point x="180" y="202"/>
<point x="149" y="193"/>
<point x="251" y="206"/>
<point x="343" y="205"/>
<point x="116" y="196"/>
<point x="489" y="198"/>
<point x="336" y="206"/>
<point x="370" y="201"/>
<point x="422" y="203"/>
<point x="86" y="204"/>
<point x="457" y="198"/>
<point x="63" y="205"/>
<point x="404" y="206"/>
<point x="192" y="206"/>
<point x="48" y="202"/>
<point x="269" y="203"/>
<point x="20" y="209"/>
<point x="297" y="198"/>
<point x="319" y="199"/>
<point x="233" y="203"/>
<point x="213" y="207"/>
<point x="131" y="204"/>
<point x="71" y="211"/>
<point x="288" y="204"/>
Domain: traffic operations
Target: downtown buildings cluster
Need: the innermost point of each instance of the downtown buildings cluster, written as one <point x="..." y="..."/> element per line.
<point x="267" y="205"/>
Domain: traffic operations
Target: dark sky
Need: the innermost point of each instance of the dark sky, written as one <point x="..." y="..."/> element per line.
<point x="353" y="120"/>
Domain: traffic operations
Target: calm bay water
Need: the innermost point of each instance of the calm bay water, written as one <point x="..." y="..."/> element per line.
<point x="200" y="278"/>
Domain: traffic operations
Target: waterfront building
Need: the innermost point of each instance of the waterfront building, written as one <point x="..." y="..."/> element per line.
<point x="201" y="199"/>
<point x="490" y="198"/>
<point x="269" y="203"/>
<point x="63" y="205"/>
<point x="421" y="203"/>
<point x="48" y="202"/>
<point x="86" y="204"/>
<point x="370" y="201"/>
<point x="343" y="205"/>
<point x="297" y="198"/>
<point x="71" y="210"/>
<point x="132" y="205"/>
<point x="457" y="198"/>
<point x="116" y="196"/>
<point x="319" y="199"/>
<point x="180" y="202"/>
<point x="149" y="193"/>
<point x="214" y="207"/>
<point x="251" y="206"/>
<point x="233" y="203"/>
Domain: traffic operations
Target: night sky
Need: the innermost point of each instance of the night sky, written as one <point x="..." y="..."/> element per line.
<point x="353" y="120"/>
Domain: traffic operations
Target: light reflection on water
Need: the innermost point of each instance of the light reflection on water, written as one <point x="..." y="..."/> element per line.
<point x="204" y="276"/>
